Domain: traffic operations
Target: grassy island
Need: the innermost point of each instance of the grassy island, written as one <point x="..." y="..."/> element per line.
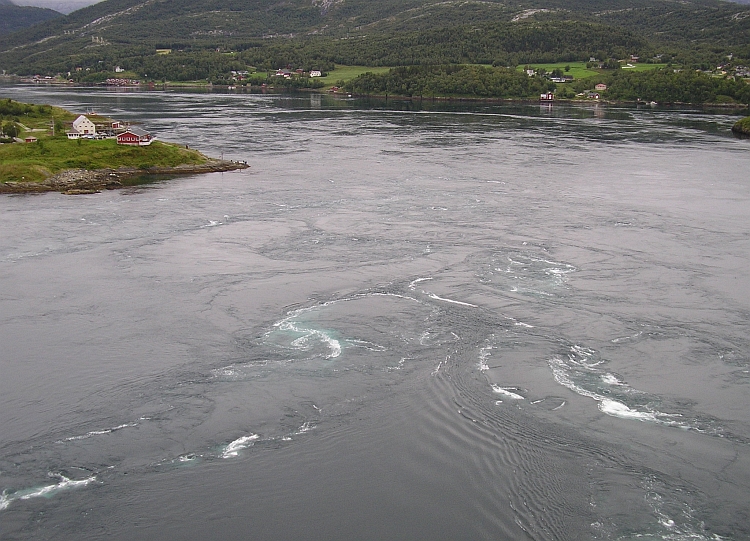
<point x="35" y="162"/>
<point x="56" y="163"/>
<point x="742" y="127"/>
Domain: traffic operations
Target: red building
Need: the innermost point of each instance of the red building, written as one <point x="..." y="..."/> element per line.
<point x="135" y="137"/>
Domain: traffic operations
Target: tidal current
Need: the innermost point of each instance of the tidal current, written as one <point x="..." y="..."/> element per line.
<point x="404" y="321"/>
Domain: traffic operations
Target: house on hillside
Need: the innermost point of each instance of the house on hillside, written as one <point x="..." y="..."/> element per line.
<point x="82" y="127"/>
<point x="30" y="139"/>
<point x="135" y="137"/>
<point x="601" y="87"/>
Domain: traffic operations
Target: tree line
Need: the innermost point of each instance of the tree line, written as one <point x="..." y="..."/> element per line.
<point x="451" y="80"/>
<point x="661" y="85"/>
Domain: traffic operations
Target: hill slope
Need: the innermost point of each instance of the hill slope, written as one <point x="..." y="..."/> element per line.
<point x="14" y="18"/>
<point x="376" y="32"/>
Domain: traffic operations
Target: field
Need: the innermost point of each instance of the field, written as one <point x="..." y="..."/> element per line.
<point x="33" y="162"/>
<point x="579" y="70"/>
<point x="347" y="73"/>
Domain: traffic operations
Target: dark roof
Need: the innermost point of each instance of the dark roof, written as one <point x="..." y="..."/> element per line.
<point x="140" y="132"/>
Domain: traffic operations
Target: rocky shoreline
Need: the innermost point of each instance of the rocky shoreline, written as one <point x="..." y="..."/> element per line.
<point x="82" y="181"/>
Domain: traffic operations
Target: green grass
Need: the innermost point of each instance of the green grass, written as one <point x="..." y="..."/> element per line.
<point x="347" y="73"/>
<point x="200" y="82"/>
<point x="742" y="126"/>
<point x="33" y="162"/>
<point x="45" y="121"/>
<point x="579" y="70"/>
<point x="645" y="67"/>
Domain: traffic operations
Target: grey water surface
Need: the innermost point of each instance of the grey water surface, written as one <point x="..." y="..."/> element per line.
<point x="404" y="321"/>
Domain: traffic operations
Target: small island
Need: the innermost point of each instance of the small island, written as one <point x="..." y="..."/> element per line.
<point x="47" y="148"/>
<point x="742" y="127"/>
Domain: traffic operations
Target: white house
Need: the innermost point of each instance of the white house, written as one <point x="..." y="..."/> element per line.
<point x="315" y="73"/>
<point x="84" y="126"/>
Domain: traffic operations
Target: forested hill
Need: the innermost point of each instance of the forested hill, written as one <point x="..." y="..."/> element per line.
<point x="14" y="18"/>
<point x="275" y="33"/>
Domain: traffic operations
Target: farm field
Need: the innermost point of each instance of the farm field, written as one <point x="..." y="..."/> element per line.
<point x="579" y="70"/>
<point x="347" y="73"/>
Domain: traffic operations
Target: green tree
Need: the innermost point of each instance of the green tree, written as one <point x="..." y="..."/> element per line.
<point x="10" y="129"/>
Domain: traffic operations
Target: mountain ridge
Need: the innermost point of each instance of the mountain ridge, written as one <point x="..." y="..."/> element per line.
<point x="117" y="30"/>
<point x="14" y="18"/>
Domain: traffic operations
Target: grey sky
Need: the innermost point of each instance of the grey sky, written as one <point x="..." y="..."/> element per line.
<point x="63" y="6"/>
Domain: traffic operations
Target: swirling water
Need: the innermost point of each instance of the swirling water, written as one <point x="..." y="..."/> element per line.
<point x="404" y="321"/>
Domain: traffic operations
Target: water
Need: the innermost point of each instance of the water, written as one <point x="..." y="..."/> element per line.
<point x="403" y="322"/>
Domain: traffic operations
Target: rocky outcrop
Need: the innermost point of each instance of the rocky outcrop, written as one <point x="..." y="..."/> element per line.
<point x="81" y="181"/>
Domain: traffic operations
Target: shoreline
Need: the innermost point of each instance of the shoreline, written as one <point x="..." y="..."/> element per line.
<point x="533" y="101"/>
<point x="163" y="86"/>
<point x="83" y="181"/>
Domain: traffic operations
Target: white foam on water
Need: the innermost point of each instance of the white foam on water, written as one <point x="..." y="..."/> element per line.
<point x="507" y="392"/>
<point x="233" y="449"/>
<point x="99" y="432"/>
<point x="611" y="379"/>
<point x="433" y="296"/>
<point x="365" y="344"/>
<point x="46" y="491"/>
<point x="309" y="334"/>
<point x="582" y="361"/>
<point x="518" y="323"/>
<point x="305" y="427"/>
<point x="689" y="528"/>
<point x="396" y="295"/>
<point x="399" y="366"/>
<point x="437" y="368"/>
<point x="618" y="409"/>
<point x="229" y="372"/>
<point x="624" y="338"/>
<point x="484" y="354"/>
<point x="516" y="289"/>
